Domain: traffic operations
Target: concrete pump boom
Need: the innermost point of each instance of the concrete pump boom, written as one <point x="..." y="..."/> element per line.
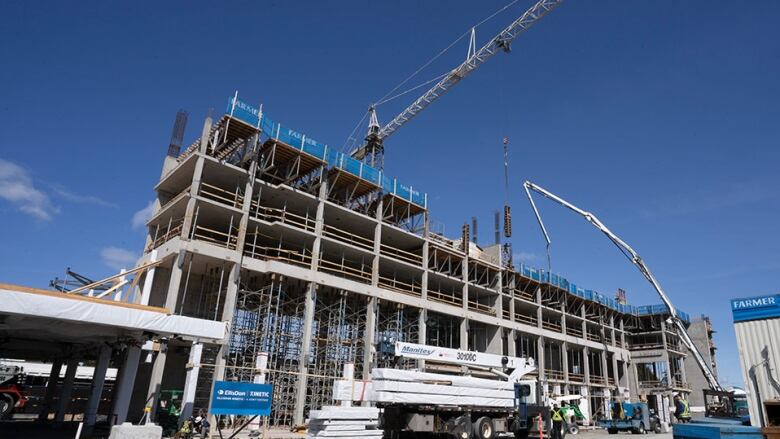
<point x="637" y="261"/>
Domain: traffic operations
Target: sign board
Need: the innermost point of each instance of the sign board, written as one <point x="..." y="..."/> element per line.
<point x="241" y="398"/>
<point x="755" y="308"/>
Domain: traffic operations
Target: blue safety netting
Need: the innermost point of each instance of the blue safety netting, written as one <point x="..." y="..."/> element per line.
<point x="335" y="159"/>
<point x="561" y="282"/>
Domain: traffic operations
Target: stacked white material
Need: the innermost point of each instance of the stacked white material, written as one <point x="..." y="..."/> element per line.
<point x="412" y="387"/>
<point x="344" y="422"/>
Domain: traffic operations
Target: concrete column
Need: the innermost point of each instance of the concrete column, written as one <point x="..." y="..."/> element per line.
<point x="499" y="305"/>
<point x="539" y="307"/>
<point x="612" y="329"/>
<point x="303" y="364"/>
<point x="369" y="336"/>
<point x="540" y="364"/>
<point x="191" y="382"/>
<point x="586" y="365"/>
<point x="604" y="365"/>
<point x="565" y="361"/>
<point x="464" y="334"/>
<point x="494" y="344"/>
<point x="155" y="380"/>
<point x="175" y="281"/>
<point x="615" y="370"/>
<point x="511" y="342"/>
<point x="146" y="291"/>
<point x="124" y="384"/>
<point x="425" y="256"/>
<point x="98" y="380"/>
<point x="623" y="335"/>
<point x="308" y="311"/>
<point x="189" y="211"/>
<point x="422" y="327"/>
<point x="663" y="335"/>
<point x="261" y="364"/>
<point x="51" y="389"/>
<point x="67" y="390"/>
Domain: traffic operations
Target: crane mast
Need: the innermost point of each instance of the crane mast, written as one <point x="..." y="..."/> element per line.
<point x="376" y="134"/>
<point x="637" y="261"/>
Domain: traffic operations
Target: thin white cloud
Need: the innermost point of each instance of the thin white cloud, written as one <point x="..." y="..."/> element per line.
<point x="17" y="187"/>
<point x="142" y="216"/>
<point x="118" y="258"/>
<point x="83" y="199"/>
<point x="711" y="199"/>
<point x="525" y="257"/>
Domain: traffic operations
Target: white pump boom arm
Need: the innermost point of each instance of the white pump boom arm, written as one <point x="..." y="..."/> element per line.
<point x="637" y="261"/>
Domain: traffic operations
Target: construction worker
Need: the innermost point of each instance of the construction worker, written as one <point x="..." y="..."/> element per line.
<point x="557" y="422"/>
<point x="681" y="410"/>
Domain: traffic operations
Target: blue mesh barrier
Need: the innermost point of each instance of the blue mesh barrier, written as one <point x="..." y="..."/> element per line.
<point x="371" y="175"/>
<point x="402" y="191"/>
<point x="251" y="115"/>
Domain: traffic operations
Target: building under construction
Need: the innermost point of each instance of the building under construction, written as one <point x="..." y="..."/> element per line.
<point x="312" y="256"/>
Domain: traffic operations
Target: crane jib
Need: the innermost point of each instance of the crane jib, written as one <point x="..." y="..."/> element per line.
<point x="500" y="42"/>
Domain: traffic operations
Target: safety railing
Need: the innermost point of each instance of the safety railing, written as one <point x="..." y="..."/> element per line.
<point x="576" y="377"/>
<point x="645" y="346"/>
<point x="272" y="214"/>
<point x="525" y="295"/>
<point x="296" y="257"/>
<point x="160" y="237"/>
<point x="528" y="320"/>
<point x="453" y="298"/>
<point x="553" y="374"/>
<point x="412" y="289"/>
<point x="351" y="238"/>
<point x="412" y="258"/>
<point x="592" y="337"/>
<point x="216" y="237"/>
<point x="505" y="314"/>
<point x="216" y="193"/>
<point x="597" y="380"/>
<point x="552" y="326"/>
<point x="481" y="308"/>
<point x="573" y="331"/>
<point x="362" y="274"/>
<point x="652" y="384"/>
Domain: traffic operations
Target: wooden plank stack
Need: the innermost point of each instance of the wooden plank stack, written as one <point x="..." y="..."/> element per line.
<point x="344" y="422"/>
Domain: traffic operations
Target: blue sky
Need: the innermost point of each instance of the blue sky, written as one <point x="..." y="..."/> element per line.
<point x="660" y="117"/>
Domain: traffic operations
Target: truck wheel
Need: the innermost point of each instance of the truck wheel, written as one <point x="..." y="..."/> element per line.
<point x="657" y="428"/>
<point x="573" y="429"/>
<point x="6" y="406"/>
<point x="484" y="429"/>
<point x="640" y="429"/>
<point x="612" y="430"/>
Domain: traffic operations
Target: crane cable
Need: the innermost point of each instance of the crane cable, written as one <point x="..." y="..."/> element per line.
<point x="384" y="99"/>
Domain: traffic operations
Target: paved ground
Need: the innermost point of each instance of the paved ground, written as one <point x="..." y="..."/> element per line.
<point x="602" y="434"/>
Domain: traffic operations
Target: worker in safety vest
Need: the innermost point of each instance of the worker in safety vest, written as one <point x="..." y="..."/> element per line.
<point x="681" y="410"/>
<point x="557" y="422"/>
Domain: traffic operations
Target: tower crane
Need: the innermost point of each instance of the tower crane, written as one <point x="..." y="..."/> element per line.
<point x="635" y="259"/>
<point x="372" y="151"/>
